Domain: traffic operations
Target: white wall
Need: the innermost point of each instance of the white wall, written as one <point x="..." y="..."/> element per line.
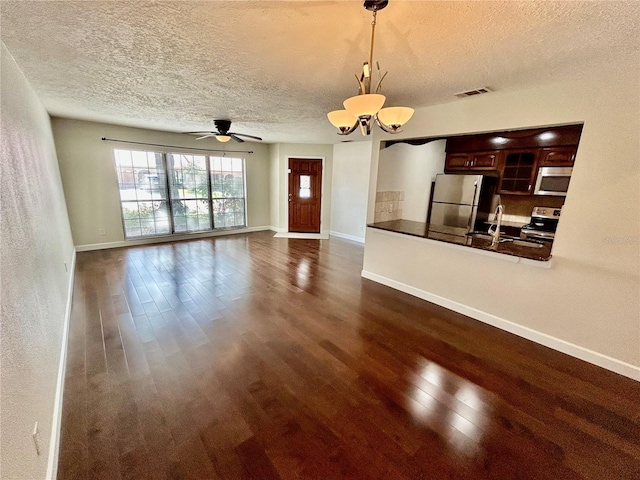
<point x="284" y="151"/>
<point x="350" y="183"/>
<point x="89" y="176"/>
<point x="411" y="169"/>
<point x="35" y="244"/>
<point x="589" y="301"/>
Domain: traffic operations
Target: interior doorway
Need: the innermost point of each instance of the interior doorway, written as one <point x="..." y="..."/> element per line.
<point x="305" y="194"/>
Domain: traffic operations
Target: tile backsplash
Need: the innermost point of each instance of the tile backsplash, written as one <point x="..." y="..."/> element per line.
<point x="388" y="206"/>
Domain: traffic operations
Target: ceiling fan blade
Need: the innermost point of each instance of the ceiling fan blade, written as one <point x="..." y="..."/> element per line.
<point x="206" y="136"/>
<point x="237" y="139"/>
<point x="200" y="132"/>
<point x="245" y="135"/>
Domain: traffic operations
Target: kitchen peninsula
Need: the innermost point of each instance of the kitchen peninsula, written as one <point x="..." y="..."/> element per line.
<point x="509" y="246"/>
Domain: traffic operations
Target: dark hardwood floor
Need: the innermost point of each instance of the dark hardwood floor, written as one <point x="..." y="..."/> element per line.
<point x="249" y="356"/>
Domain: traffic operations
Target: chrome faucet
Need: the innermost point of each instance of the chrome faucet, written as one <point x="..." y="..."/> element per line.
<point x="494" y="229"/>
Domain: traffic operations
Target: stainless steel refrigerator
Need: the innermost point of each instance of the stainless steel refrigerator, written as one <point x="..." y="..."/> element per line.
<point x="460" y="204"/>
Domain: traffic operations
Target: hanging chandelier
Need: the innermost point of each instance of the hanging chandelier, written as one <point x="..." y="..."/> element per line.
<point x="366" y="108"/>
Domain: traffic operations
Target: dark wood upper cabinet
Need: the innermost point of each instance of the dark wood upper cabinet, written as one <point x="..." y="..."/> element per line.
<point x="485" y="160"/>
<point x="557" y="157"/>
<point x="459" y="162"/>
<point x="514" y="156"/>
<point x="456" y="161"/>
<point x="519" y="172"/>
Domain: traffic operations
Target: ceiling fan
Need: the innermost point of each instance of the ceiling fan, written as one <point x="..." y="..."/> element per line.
<point x="223" y="134"/>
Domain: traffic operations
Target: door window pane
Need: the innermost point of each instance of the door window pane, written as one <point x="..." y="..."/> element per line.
<point x="305" y="186"/>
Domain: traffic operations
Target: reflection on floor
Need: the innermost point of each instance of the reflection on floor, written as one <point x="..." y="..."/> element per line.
<point x="250" y="356"/>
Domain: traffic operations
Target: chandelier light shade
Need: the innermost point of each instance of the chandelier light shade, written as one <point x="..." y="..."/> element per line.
<point x="342" y="119"/>
<point x="395" y="117"/>
<point x="365" y="109"/>
<point x="223" y="138"/>
<point x="365" y="105"/>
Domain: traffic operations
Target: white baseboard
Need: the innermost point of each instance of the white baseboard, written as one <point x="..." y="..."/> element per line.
<point x="54" y="442"/>
<point x="599" y="359"/>
<point x="353" y="238"/>
<point x="277" y="230"/>
<point x="169" y="238"/>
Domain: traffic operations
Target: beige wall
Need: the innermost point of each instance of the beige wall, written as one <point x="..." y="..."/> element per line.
<point x="90" y="183"/>
<point x="411" y="169"/>
<point x="35" y="244"/>
<point x="590" y="296"/>
<point x="285" y="150"/>
<point x="274" y="186"/>
<point x="349" y="184"/>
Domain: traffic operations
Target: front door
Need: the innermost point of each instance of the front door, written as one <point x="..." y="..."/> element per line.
<point x="305" y="187"/>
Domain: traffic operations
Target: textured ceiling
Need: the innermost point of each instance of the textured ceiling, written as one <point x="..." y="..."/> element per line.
<point x="275" y="68"/>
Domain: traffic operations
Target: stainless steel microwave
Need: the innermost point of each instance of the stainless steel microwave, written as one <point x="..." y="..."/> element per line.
<point x="553" y="181"/>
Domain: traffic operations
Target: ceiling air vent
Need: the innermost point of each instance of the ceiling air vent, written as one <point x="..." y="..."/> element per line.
<point x="471" y="93"/>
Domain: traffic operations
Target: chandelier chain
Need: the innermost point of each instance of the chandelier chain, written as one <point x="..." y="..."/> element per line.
<point x="373" y="32"/>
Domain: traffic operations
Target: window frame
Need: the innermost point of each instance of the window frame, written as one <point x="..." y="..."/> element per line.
<point x="166" y="185"/>
<point x="244" y="191"/>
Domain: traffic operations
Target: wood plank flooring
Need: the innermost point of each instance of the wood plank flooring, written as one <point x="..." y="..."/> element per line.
<point x="253" y="357"/>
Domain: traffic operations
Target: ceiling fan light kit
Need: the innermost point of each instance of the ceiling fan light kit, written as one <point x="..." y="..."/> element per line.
<point x="366" y="108"/>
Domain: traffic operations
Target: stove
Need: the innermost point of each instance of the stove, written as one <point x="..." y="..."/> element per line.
<point x="543" y="224"/>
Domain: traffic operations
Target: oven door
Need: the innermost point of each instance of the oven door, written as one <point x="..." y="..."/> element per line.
<point x="537" y="235"/>
<point x="553" y="181"/>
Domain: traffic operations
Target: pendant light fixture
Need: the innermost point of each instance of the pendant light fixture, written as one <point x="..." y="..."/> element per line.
<point x="366" y="108"/>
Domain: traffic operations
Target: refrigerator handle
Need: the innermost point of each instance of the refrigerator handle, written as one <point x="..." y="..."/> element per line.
<point x="475" y="201"/>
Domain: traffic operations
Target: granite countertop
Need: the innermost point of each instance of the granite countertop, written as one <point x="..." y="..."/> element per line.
<point x="422" y="229"/>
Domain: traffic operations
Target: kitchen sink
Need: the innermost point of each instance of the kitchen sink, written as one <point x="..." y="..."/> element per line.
<point x="505" y="239"/>
<point x="524" y="243"/>
<point x="482" y="235"/>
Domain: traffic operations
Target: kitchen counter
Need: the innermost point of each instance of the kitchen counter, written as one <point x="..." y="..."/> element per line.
<point x="421" y="229"/>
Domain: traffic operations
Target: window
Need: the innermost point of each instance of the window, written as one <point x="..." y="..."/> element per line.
<point x="143" y="195"/>
<point x="227" y="184"/>
<point x="166" y="193"/>
<point x="189" y="190"/>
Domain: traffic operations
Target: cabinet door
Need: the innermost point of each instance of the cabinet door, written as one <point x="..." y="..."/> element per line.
<point x="456" y="161"/>
<point x="484" y="160"/>
<point x="557" y="157"/>
<point x="518" y="173"/>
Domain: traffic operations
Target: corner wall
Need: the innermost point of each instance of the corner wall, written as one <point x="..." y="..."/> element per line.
<point x="588" y="302"/>
<point x="411" y="169"/>
<point x="349" y="185"/>
<point x="89" y="176"/>
<point x="274" y="186"/>
<point x="35" y="245"/>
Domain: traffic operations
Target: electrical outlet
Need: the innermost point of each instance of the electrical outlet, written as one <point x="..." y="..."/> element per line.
<point x="390" y="208"/>
<point x="36" y="438"/>
<point x="102" y="231"/>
